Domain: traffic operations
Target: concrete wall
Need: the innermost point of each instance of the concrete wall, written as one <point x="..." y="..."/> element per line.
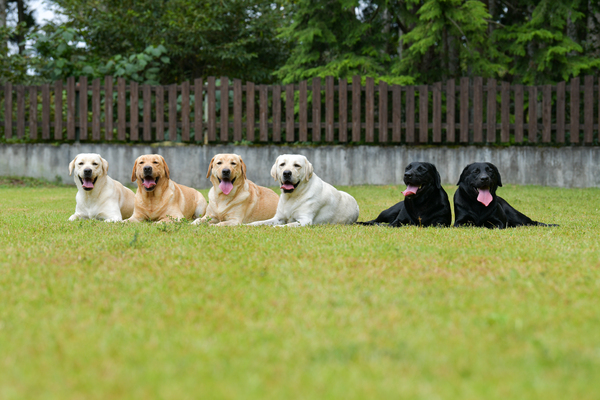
<point x="338" y="165"/>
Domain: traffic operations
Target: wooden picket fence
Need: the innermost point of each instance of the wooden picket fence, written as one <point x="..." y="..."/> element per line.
<point x="322" y="111"/>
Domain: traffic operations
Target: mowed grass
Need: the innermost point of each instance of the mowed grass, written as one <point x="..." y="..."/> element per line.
<point x="91" y="310"/>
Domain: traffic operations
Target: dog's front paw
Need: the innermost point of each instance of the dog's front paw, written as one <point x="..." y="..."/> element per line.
<point x="73" y="217"/>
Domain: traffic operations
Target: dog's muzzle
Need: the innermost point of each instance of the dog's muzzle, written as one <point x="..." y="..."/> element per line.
<point x="87" y="182"/>
<point x="149" y="182"/>
<point x="225" y="184"/>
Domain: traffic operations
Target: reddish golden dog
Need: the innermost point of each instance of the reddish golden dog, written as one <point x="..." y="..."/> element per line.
<point x="234" y="199"/>
<point x="160" y="199"/>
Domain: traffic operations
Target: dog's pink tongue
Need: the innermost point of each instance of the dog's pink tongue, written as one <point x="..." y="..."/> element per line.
<point x="484" y="197"/>
<point x="226" y="186"/>
<point x="88" y="183"/>
<point x="148" y="183"/>
<point x="410" y="189"/>
<point x="287" y="186"/>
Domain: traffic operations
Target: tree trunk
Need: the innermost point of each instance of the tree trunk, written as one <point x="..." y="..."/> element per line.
<point x="21" y="19"/>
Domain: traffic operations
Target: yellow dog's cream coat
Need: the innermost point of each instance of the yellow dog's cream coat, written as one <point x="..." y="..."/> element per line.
<point x="99" y="196"/>
<point x="306" y="199"/>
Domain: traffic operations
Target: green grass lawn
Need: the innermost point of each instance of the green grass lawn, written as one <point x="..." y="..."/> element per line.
<point x="92" y="310"/>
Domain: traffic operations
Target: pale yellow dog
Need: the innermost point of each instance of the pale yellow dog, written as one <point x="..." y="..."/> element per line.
<point x="234" y="199"/>
<point x="98" y="195"/>
<point x="160" y="199"/>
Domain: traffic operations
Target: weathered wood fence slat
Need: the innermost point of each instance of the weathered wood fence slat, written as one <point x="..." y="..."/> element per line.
<point x="359" y="110"/>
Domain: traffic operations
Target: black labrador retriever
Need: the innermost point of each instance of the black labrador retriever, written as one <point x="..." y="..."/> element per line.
<point x="476" y="202"/>
<point x="425" y="203"/>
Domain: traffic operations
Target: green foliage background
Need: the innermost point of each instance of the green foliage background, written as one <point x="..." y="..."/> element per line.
<point x="405" y="42"/>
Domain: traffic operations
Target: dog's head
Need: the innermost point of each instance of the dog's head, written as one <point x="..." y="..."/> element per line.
<point x="420" y="176"/>
<point x="88" y="168"/>
<point x="226" y="170"/>
<point x="291" y="170"/>
<point x="481" y="180"/>
<point x="149" y="171"/>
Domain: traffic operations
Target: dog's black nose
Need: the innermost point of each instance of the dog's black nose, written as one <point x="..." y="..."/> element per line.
<point x="287" y="174"/>
<point x="87" y="172"/>
<point x="407" y="176"/>
<point x="226" y="172"/>
<point x="485" y="179"/>
<point x="148" y="170"/>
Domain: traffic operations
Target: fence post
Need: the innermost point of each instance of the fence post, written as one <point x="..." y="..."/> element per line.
<point x="212" y="109"/>
<point x="250" y="111"/>
<point x="83" y="107"/>
<point x="316" y="107"/>
<point x="108" y="108"/>
<point x="423" y="114"/>
<point x="198" y="108"/>
<point x="121" y="109"/>
<point x="134" y="109"/>
<point x="356" y="120"/>
<point x="574" y="110"/>
<point x="96" y="109"/>
<point x="58" y="111"/>
<point x="45" y="111"/>
<point x="588" y="109"/>
<point x="329" y="110"/>
<point x="383" y="112"/>
<point x="289" y="113"/>
<point x="303" y="111"/>
<point x="8" y="110"/>
<point x="560" y="112"/>
<point x="237" y="110"/>
<point x="185" y="111"/>
<point x="505" y="113"/>
<point x="369" y="109"/>
<point x="450" y="110"/>
<point x="491" y="111"/>
<point x="478" y="109"/>
<point x="224" y="109"/>
<point x="546" y="114"/>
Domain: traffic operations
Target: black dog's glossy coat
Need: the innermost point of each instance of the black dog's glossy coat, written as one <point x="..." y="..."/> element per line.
<point x="428" y="207"/>
<point x="498" y="213"/>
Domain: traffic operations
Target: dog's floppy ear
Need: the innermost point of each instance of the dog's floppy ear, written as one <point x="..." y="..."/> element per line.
<point x="72" y="165"/>
<point x="134" y="168"/>
<point x="464" y="174"/>
<point x="210" y="167"/>
<point x="436" y="176"/>
<point x="493" y="167"/>
<point x="104" y="166"/>
<point x="167" y="173"/>
<point x="274" y="169"/>
<point x="243" y="164"/>
<point x="309" y="170"/>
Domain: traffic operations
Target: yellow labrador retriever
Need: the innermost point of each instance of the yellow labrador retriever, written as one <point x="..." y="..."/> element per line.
<point x="160" y="199"/>
<point x="98" y="195"/>
<point x="234" y="199"/>
<point x="306" y="199"/>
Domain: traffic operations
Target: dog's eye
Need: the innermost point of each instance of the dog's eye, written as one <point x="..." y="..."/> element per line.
<point x="95" y="164"/>
<point x="155" y="162"/>
<point x="282" y="165"/>
<point x="141" y="162"/>
<point x="296" y="165"/>
<point x="233" y="163"/>
<point x="80" y="163"/>
<point x="476" y="171"/>
<point x="219" y="163"/>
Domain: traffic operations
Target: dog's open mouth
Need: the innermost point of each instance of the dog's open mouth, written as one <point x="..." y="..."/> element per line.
<point x="150" y="183"/>
<point x="484" y="196"/>
<point x="226" y="185"/>
<point x="87" y="183"/>
<point x="288" y="187"/>
<point x="411" y="190"/>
